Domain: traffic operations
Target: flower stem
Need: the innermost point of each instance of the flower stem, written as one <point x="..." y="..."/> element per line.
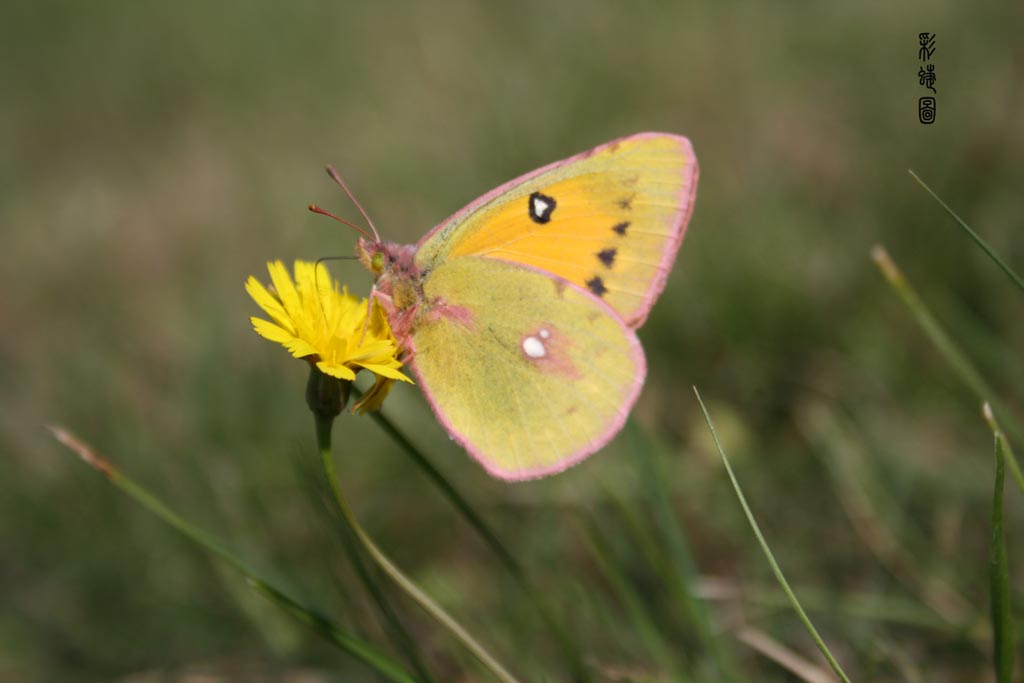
<point x="323" y="434"/>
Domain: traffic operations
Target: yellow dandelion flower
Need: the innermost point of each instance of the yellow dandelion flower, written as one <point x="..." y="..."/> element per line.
<point x="320" y="322"/>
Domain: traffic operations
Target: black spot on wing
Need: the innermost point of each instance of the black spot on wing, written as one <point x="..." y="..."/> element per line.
<point x="627" y="202"/>
<point x="621" y="228"/>
<point x="596" y="285"/>
<point x="540" y="207"/>
<point x="607" y="257"/>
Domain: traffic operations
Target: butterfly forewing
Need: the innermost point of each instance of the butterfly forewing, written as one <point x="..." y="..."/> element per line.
<point x="609" y="220"/>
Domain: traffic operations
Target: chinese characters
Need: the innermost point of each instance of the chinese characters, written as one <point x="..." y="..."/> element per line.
<point x="926" y="77"/>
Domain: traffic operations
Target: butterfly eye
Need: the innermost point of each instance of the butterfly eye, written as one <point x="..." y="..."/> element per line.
<point x="377" y="262"/>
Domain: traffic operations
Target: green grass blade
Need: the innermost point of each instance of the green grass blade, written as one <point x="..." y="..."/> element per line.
<point x="672" y="557"/>
<point x="876" y="516"/>
<point x="448" y="490"/>
<point x="768" y="553"/>
<point x="949" y="350"/>
<point x="321" y="624"/>
<point x="974" y="236"/>
<point x="676" y="584"/>
<point x="324" y="424"/>
<point x="333" y="633"/>
<point x="640" y="619"/>
<point x="885" y="609"/>
<point x="569" y="647"/>
<point x="930" y="325"/>
<point x="1009" y="456"/>
<point x="319" y="489"/>
<point x="999" y="572"/>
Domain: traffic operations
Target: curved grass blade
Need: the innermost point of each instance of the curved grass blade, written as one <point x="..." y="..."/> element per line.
<point x="768" y="553"/>
<point x="672" y="559"/>
<point x="876" y="517"/>
<point x="324" y="425"/>
<point x="569" y="647"/>
<point x="949" y="350"/>
<point x="671" y="662"/>
<point x="395" y="628"/>
<point x="333" y="633"/>
<point x="1017" y="280"/>
<point x="999" y="571"/>
<point x="447" y="489"/>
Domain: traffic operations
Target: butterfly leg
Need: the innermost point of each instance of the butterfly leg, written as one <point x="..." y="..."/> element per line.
<point x="401" y="321"/>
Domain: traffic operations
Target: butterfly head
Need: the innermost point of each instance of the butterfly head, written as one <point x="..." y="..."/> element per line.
<point x="393" y="268"/>
<point x="371" y="254"/>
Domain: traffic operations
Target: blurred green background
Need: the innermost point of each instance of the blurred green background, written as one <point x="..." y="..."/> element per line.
<point x="155" y="154"/>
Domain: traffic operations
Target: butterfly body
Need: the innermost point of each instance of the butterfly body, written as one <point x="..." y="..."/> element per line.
<point x="519" y="311"/>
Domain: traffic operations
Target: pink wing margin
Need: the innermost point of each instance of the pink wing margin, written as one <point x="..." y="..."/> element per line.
<point x="687" y="199"/>
<point x="613" y="428"/>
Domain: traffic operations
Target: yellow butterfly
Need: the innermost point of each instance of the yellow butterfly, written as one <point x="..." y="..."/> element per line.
<point x="519" y="311"/>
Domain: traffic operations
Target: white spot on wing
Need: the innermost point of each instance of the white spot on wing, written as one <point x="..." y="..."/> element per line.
<point x="539" y="206"/>
<point x="533" y="347"/>
<point x="544" y="334"/>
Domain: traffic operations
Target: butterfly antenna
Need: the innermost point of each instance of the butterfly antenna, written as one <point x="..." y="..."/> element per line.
<point x="324" y="212"/>
<point x="334" y="258"/>
<point x="341" y="183"/>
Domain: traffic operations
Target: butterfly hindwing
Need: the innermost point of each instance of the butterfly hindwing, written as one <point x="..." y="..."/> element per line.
<point x="526" y="370"/>
<point x="609" y="220"/>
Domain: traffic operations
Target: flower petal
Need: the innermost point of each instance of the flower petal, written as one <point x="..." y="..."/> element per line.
<point x="269" y="303"/>
<point x="386" y="371"/>
<point x="271" y="331"/>
<point x="285" y="289"/>
<point x="317" y="320"/>
<point x="374" y="398"/>
<point x="336" y="370"/>
<point x="300" y="348"/>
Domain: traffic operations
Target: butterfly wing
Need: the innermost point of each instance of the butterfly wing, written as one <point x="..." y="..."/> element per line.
<point x="529" y="372"/>
<point x="609" y="220"/>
